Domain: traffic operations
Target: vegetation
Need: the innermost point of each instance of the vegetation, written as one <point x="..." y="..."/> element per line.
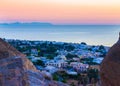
<point x="70" y="56"/>
<point x="93" y="75"/>
<point x="39" y="62"/>
<point x="83" y="43"/>
<point x="55" y="77"/>
<point x="88" y="61"/>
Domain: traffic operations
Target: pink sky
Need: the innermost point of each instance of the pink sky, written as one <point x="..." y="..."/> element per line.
<point x="61" y="11"/>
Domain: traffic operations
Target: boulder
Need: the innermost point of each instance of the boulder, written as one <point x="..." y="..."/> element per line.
<point x="17" y="70"/>
<point x="110" y="67"/>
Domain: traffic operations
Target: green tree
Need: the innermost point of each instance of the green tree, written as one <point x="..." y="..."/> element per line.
<point x="55" y="77"/>
<point x="92" y="74"/>
<point x="39" y="62"/>
<point x="70" y="56"/>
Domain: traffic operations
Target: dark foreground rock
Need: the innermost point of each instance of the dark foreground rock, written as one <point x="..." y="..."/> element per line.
<point x="110" y="68"/>
<point x="17" y="70"/>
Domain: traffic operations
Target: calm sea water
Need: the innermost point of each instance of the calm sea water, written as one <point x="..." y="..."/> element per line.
<point x="91" y="34"/>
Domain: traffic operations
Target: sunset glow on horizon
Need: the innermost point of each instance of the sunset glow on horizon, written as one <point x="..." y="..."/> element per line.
<point x="61" y="11"/>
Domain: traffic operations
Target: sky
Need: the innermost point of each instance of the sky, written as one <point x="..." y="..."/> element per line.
<point x="61" y="11"/>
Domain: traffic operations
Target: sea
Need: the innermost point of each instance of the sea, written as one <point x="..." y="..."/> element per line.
<point x="91" y="34"/>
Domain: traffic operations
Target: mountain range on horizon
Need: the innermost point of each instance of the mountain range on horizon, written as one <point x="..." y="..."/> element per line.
<point x="19" y="24"/>
<point x="44" y="24"/>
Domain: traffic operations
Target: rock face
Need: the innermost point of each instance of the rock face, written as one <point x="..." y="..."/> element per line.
<point x="110" y="68"/>
<point x="17" y="70"/>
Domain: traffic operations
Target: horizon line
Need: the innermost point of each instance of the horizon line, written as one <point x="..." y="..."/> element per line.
<point x="56" y="24"/>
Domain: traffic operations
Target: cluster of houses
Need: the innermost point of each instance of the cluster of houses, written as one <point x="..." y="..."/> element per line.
<point x="60" y="62"/>
<point x="79" y="67"/>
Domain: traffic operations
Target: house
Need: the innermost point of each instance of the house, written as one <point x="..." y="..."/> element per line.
<point x="98" y="60"/>
<point x="76" y="59"/>
<point x="71" y="72"/>
<point x="34" y="52"/>
<point x="58" y="64"/>
<point x="60" y="57"/>
<point x="44" y="59"/>
<point x="79" y="67"/>
<point x="95" y="67"/>
<point x="50" y="69"/>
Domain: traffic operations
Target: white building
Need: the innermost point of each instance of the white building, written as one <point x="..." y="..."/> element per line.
<point x="71" y="72"/>
<point x="50" y="69"/>
<point x="58" y="64"/>
<point x="60" y="57"/>
<point x="79" y="66"/>
<point x="34" y="52"/>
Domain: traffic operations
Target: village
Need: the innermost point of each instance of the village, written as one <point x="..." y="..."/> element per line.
<point x="71" y="63"/>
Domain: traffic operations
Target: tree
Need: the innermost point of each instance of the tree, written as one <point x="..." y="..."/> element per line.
<point x="50" y="56"/>
<point x="92" y="74"/>
<point x="70" y="56"/>
<point x="72" y="84"/>
<point x="83" y="43"/>
<point x="101" y="47"/>
<point x="64" y="81"/>
<point x="39" y="62"/>
<point x="55" y="77"/>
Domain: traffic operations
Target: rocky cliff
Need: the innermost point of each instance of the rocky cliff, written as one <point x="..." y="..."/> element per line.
<point x="110" y="68"/>
<point x="17" y="70"/>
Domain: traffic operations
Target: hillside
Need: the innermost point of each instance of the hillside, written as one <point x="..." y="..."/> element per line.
<point x="17" y="70"/>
